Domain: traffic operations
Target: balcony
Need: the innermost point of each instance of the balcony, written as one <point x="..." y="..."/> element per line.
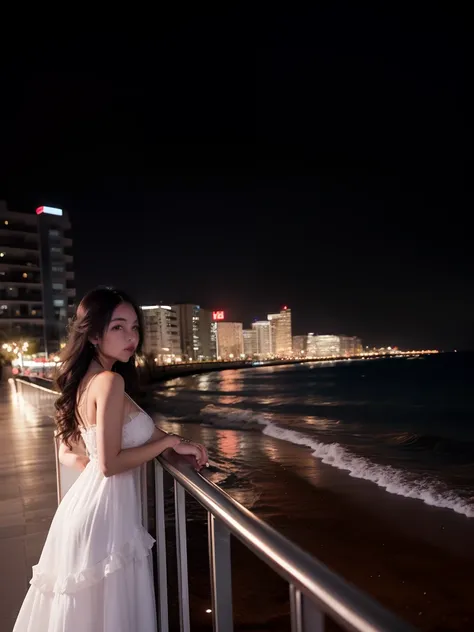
<point x="22" y="295"/>
<point x="18" y="243"/>
<point x="15" y="227"/>
<point x="14" y="277"/>
<point x="317" y="599"/>
<point x="33" y="320"/>
<point x="12" y="259"/>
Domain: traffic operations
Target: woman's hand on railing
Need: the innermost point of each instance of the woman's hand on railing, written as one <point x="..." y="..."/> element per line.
<point x="196" y="450"/>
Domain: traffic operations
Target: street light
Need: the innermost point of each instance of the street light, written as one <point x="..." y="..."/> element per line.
<point x="16" y="349"/>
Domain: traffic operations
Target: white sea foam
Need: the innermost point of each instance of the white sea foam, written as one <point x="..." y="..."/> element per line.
<point x="393" y="480"/>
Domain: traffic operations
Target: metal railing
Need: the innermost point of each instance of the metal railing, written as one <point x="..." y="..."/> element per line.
<point x="315" y="592"/>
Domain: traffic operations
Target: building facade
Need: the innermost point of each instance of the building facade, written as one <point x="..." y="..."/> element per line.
<point x="323" y="346"/>
<point x="195" y="331"/>
<point x="229" y="340"/>
<point x="350" y="346"/>
<point x="263" y="333"/>
<point x="250" y="342"/>
<point x="333" y="346"/>
<point x="37" y="289"/>
<point x="161" y="333"/>
<point x="299" y="345"/>
<point x="281" y="333"/>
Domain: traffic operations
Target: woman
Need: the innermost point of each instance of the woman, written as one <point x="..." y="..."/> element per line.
<point x="95" y="573"/>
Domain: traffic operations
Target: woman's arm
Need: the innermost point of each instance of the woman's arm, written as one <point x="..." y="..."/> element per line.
<point x="71" y="458"/>
<point x="185" y="447"/>
<point x="109" y="398"/>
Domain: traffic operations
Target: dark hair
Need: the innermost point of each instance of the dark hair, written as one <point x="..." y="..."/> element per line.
<point x="92" y="318"/>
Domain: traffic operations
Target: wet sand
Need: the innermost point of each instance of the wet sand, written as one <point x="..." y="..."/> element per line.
<point x="414" y="559"/>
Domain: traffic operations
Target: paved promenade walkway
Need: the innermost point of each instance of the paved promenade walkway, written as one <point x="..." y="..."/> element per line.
<point x="28" y="497"/>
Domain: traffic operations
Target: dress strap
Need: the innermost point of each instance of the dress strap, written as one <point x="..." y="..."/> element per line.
<point x="135" y="403"/>
<point x="89" y="385"/>
<point x="85" y="395"/>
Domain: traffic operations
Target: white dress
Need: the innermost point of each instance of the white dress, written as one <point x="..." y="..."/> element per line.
<point x="95" y="570"/>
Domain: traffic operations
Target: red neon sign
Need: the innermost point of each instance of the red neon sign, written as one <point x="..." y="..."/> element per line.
<point x="218" y="315"/>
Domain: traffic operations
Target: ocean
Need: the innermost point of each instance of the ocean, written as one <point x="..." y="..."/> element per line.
<point x="405" y="424"/>
<point x="367" y="465"/>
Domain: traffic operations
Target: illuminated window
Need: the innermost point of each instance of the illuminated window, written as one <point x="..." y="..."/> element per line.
<point x="55" y="249"/>
<point x="58" y="302"/>
<point x="58" y="286"/>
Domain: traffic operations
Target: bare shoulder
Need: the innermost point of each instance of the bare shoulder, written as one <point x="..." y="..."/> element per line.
<point x="108" y="382"/>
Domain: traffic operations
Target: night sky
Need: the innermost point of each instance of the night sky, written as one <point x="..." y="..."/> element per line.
<point x="319" y="159"/>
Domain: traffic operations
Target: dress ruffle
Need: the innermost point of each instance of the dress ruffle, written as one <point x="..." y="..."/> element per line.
<point x="135" y="549"/>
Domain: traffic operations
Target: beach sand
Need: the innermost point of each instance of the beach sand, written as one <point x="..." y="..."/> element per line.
<point x="414" y="559"/>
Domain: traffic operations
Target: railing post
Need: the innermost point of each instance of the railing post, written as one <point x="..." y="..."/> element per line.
<point x="305" y="617"/>
<point x="221" y="575"/>
<point x="163" y="622"/>
<point x="182" y="554"/>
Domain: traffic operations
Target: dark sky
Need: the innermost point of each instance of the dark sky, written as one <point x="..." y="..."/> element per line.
<point x="319" y="159"/>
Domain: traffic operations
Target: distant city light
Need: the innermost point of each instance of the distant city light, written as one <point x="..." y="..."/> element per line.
<point x="155" y="307"/>
<point x="49" y="210"/>
<point x="219" y="315"/>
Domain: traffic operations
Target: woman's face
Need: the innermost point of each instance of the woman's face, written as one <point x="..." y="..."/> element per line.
<point x="120" y="339"/>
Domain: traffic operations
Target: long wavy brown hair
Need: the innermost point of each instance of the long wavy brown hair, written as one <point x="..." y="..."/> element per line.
<point x="92" y="318"/>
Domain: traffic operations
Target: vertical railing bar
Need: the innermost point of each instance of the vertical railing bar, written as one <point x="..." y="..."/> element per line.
<point x="182" y="555"/>
<point x="163" y="621"/>
<point x="295" y="609"/>
<point x="221" y="575"/>
<point x="305" y="616"/>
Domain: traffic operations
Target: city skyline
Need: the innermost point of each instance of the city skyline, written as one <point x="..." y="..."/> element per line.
<point x="235" y="314"/>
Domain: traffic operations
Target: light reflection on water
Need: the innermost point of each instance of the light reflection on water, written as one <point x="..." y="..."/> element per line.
<point x="230" y="399"/>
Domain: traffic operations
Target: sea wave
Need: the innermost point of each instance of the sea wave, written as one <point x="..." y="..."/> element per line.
<point x="228" y="417"/>
<point x="392" y="479"/>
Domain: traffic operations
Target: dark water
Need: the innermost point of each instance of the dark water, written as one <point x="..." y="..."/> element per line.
<point x="407" y="425"/>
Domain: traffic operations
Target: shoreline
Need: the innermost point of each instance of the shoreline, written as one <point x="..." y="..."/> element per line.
<point x="414" y="559"/>
<point x="163" y="373"/>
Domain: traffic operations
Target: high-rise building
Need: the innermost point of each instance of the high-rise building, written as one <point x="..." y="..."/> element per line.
<point x="195" y="331"/>
<point x="250" y="342"/>
<point x="299" y="345"/>
<point x="282" y="341"/>
<point x="229" y="338"/>
<point x="161" y="333"/>
<point x="37" y="290"/>
<point x="263" y="330"/>
<point x="273" y="320"/>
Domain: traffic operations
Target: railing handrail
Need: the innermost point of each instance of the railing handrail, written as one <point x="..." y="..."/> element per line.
<point x="34" y="385"/>
<point x="334" y="596"/>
